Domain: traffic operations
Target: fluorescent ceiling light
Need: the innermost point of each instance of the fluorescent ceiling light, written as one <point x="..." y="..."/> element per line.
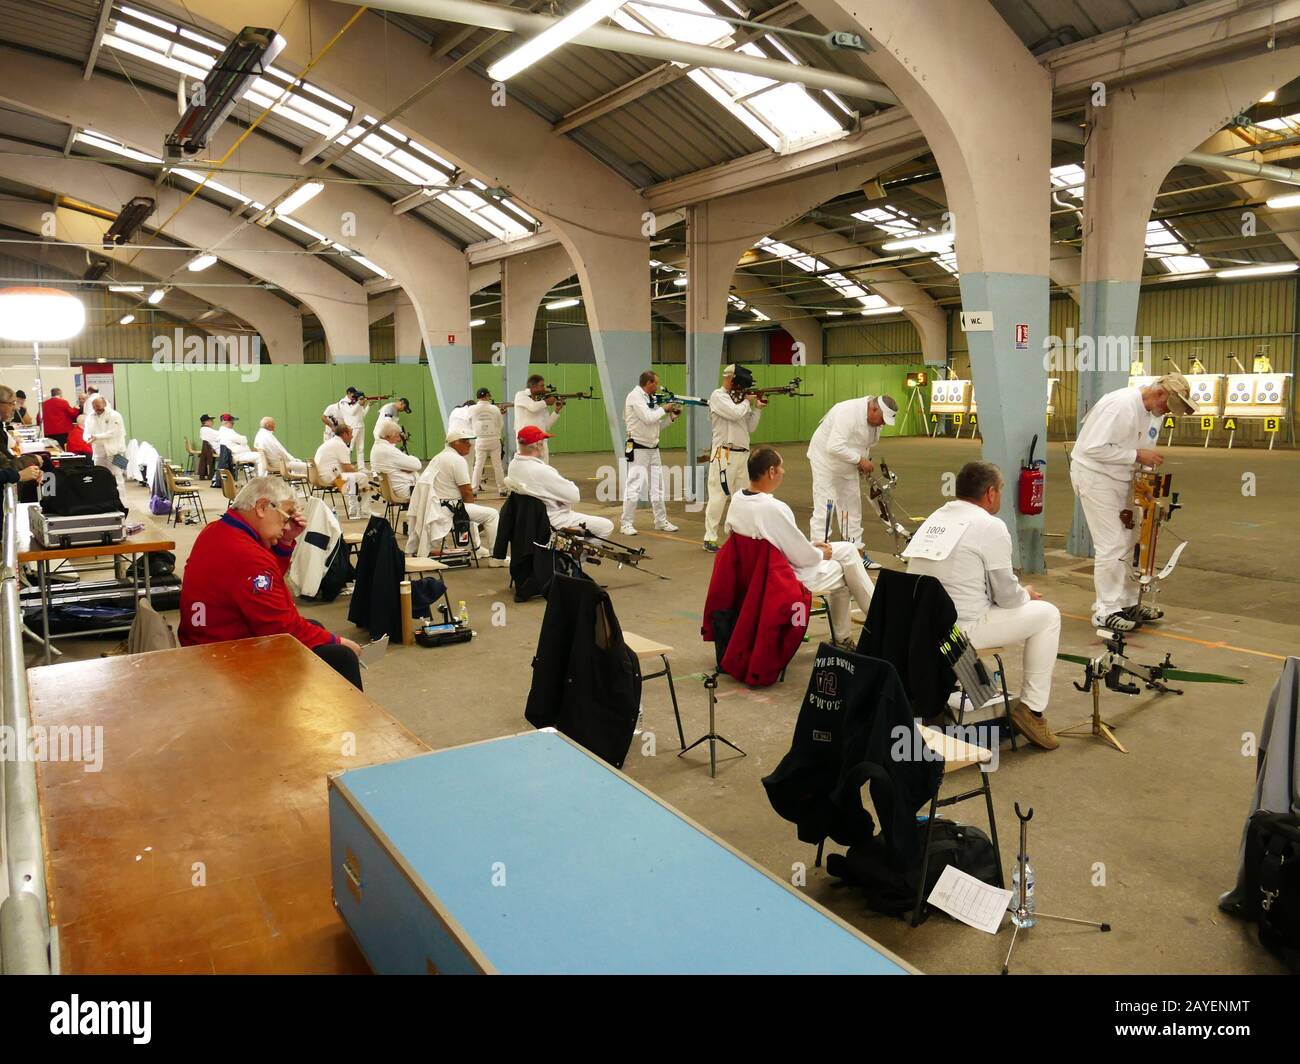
<point x="201" y="262"/>
<point x="1256" y="271"/>
<point x="126" y="319"/>
<point x="835" y="313"/>
<point x="730" y="328"/>
<point x="298" y="197"/>
<point x="475" y="323"/>
<point x="552" y="37"/>
<point x="562" y="304"/>
<point x="1268" y="97"/>
<point x="126" y="288"/>
<point x="868" y="312"/>
<point x="156" y="296"/>
<point x="1281" y="203"/>
<point x="929" y="242"/>
<point x="681" y="282"/>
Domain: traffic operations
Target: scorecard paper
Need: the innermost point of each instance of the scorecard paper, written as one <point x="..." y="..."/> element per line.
<point x="970" y="900"/>
<point x="935" y="540"/>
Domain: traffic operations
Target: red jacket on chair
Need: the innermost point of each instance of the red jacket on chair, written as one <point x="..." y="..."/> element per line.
<point x="753" y="578"/>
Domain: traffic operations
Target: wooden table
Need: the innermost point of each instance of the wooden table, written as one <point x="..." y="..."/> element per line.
<point x="43" y="557"/>
<point x="215" y="761"/>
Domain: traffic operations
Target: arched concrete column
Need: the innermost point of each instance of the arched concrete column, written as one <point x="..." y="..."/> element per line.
<point x="793" y="318"/>
<point x="339" y="303"/>
<point x="984" y="104"/>
<point x="433" y="273"/>
<point x="277" y="323"/>
<point x="1134" y="140"/>
<point x="593" y="211"/>
<point x="525" y="280"/>
<point x="484" y="276"/>
<point x="926" y="316"/>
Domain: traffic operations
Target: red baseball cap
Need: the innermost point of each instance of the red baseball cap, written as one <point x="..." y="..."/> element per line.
<point x="531" y="434"/>
<point x="229" y="417"/>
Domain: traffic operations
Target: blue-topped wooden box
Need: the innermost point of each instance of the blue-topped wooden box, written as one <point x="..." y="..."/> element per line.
<point x="528" y="855"/>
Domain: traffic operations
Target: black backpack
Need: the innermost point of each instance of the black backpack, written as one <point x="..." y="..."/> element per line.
<point x="1272" y="889"/>
<point x="79" y="490"/>
<point x="887" y="889"/>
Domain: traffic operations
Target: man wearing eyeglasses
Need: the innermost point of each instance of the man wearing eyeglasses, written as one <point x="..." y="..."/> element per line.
<point x="234" y="588"/>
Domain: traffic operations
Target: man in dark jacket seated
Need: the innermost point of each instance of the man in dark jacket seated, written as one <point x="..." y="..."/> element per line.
<point x="234" y="586"/>
<point x="831" y="569"/>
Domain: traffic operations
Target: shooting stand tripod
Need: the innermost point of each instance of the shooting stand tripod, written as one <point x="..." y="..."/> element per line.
<point x="712" y="736"/>
<point x="1021" y="916"/>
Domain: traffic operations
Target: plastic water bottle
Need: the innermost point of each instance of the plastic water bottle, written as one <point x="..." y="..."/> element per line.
<point x="462" y="614"/>
<point x="1028" y="920"/>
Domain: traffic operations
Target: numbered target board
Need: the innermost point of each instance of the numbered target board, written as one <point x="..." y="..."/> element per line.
<point x="950" y="397"/>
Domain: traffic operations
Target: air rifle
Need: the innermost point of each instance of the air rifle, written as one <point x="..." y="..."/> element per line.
<point x="584" y="546"/>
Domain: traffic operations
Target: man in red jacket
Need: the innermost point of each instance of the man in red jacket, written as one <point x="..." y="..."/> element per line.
<point x="58" y="416"/>
<point x="234" y="586"/>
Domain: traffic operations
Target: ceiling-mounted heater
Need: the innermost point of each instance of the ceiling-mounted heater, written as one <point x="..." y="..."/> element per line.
<point x="245" y="59"/>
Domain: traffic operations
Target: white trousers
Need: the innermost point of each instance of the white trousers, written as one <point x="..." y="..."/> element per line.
<point x="482" y="455"/>
<point x="845" y="491"/>
<point x="736" y="465"/>
<point x="840" y="578"/>
<point x="645" y="466"/>
<point x="1102" y="498"/>
<point x="597" y="526"/>
<point x="1036" y="624"/>
<point x="105" y="461"/>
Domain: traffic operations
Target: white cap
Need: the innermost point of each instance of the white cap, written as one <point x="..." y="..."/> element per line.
<point x="888" y="408"/>
<point x="456" y="434"/>
<point x="729" y="371"/>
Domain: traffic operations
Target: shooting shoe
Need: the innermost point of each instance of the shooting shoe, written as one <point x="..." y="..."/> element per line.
<point x="1116" y="622"/>
<point x="1033" y="726"/>
<point x="1144" y="613"/>
<point x="626" y="529"/>
<point x="711" y="546"/>
<point x="667" y="526"/>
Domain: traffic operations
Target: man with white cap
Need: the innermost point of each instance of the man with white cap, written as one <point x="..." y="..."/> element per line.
<point x="732" y="419"/>
<point x="530" y="475"/>
<point x="449" y="479"/>
<point x="839" y="455"/>
<point x="487" y="421"/>
<point x="1118" y="435"/>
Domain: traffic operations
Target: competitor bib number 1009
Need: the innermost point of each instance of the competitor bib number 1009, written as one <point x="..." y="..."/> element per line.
<point x="935" y="540"/>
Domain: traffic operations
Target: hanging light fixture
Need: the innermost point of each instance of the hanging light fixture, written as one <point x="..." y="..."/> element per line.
<point x="40" y="315"/>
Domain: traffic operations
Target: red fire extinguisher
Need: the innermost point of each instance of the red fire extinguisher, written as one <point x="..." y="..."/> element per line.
<point x="1031" y="483"/>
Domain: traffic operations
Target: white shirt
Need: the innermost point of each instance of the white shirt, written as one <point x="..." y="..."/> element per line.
<point x="447" y="472"/>
<point x="266" y="442"/>
<point x="530" y="411"/>
<point x="402" y="469"/>
<point x="208" y="435"/>
<point x="387" y="412"/>
<point x="531" y="476"/>
<point x="228" y="437"/>
<point x="1112" y="432"/>
<point x="486" y="423"/>
<point x="977" y="573"/>
<point x="353" y="414"/>
<point x="108" y="431"/>
<point x="843" y="437"/>
<point x="761" y="515"/>
<point x="732" y="421"/>
<point x="643" y="423"/>
<point x="459" y="420"/>
<point x="331" y="457"/>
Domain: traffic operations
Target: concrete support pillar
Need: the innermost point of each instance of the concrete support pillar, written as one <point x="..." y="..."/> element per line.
<point x="407" y="337"/>
<point x="989" y="126"/>
<point x="525" y="280"/>
<point x="1136" y="135"/>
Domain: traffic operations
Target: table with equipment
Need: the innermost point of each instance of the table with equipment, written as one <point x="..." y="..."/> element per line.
<point x="526" y="854"/>
<point x="133" y="548"/>
<point x="202" y="845"/>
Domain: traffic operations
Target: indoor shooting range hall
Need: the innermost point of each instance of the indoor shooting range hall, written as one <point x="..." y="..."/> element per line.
<point x="675" y="487"/>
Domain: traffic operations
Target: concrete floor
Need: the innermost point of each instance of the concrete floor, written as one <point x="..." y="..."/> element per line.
<point x="1146" y="841"/>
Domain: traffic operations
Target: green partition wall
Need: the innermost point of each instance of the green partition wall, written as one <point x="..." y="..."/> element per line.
<point x="163" y="406"/>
